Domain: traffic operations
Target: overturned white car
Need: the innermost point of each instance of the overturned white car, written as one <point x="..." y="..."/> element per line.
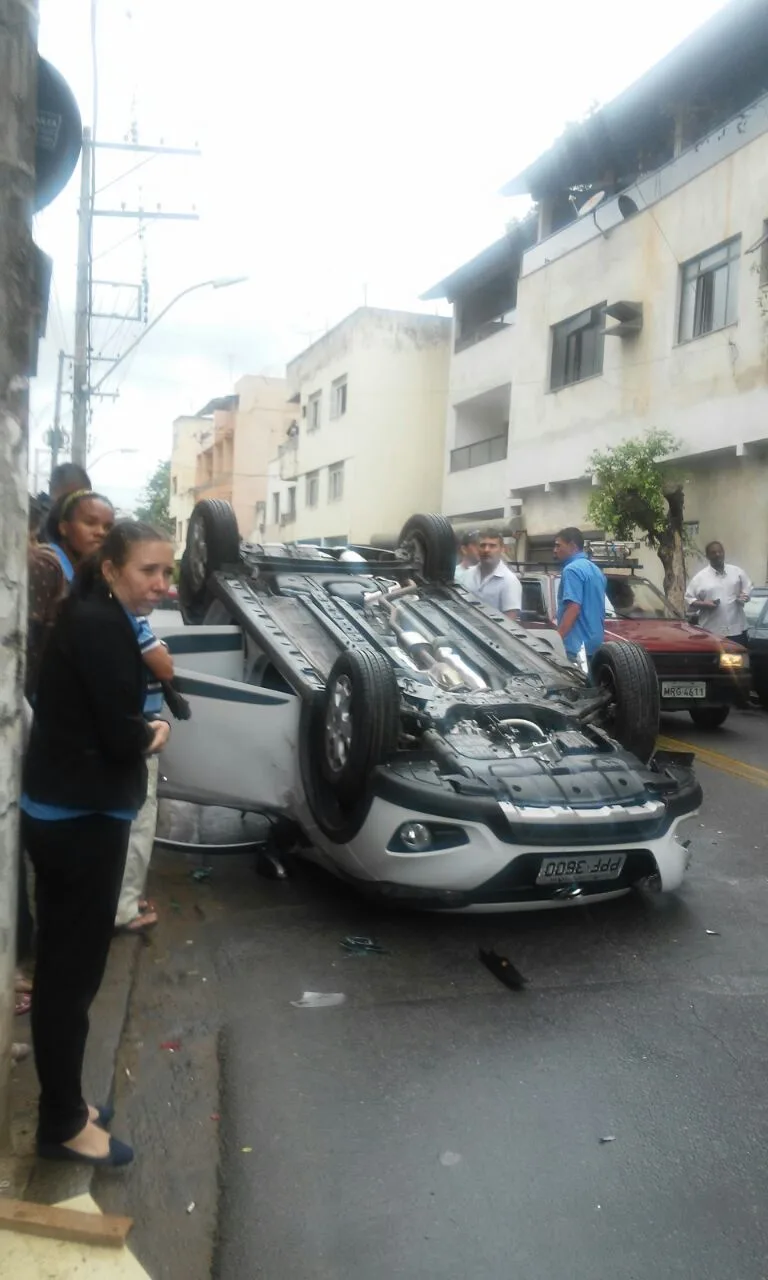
<point x="427" y="748"/>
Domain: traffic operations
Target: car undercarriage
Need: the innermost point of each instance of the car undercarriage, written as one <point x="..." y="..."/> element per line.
<point x="416" y="696"/>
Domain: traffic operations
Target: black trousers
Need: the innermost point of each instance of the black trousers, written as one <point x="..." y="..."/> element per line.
<point x="79" y="867"/>
<point x="742" y="639"/>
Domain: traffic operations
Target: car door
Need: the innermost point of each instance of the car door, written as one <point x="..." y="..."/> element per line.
<point x="758" y="653"/>
<point x="240" y="746"/>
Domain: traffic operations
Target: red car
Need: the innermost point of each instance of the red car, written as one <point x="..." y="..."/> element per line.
<point x="698" y="672"/>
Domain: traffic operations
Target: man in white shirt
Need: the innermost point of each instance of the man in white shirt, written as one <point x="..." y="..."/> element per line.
<point x="718" y="593"/>
<point x="491" y="581"/>
<point x="468" y="557"/>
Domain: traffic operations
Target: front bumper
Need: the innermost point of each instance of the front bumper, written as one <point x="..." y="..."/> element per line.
<point x="486" y="873"/>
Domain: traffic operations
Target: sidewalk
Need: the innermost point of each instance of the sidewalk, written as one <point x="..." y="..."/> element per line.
<point x="22" y="1177"/>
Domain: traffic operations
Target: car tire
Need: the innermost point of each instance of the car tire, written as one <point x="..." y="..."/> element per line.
<point x="358" y="724"/>
<point x="430" y="543"/>
<point x="213" y="541"/>
<point x="633" y="718"/>
<point x="709" y="717"/>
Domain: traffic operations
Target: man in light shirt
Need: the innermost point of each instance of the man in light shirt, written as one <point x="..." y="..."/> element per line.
<point x="491" y="581"/>
<point x="718" y="593"/>
<point x="468" y="557"/>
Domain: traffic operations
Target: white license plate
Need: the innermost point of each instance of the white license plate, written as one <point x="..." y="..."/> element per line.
<point x="590" y="866"/>
<point x="682" y="689"/>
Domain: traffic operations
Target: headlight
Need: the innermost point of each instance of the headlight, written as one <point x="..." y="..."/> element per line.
<point x="734" y="661"/>
<point x="416" y="836"/>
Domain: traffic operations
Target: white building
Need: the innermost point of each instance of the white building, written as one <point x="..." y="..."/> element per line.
<point x="190" y="435"/>
<point x="575" y="332"/>
<point x="366" y="449"/>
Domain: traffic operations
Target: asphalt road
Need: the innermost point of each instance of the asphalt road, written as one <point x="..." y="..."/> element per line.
<point x="438" y="1124"/>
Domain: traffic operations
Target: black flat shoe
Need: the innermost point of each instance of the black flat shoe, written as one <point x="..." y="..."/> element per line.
<point x="119" y="1154"/>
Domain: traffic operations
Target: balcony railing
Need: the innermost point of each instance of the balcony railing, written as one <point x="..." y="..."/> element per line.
<point x="478" y="454"/>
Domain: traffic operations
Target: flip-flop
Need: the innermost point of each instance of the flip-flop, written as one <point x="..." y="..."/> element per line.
<point x="146" y="904"/>
<point x="147" y="920"/>
<point x="119" y="1154"/>
<point x="23" y="1003"/>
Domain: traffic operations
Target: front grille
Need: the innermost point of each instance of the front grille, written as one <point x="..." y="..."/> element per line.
<point x="686" y="664"/>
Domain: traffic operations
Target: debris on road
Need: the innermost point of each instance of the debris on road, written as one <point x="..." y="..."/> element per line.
<point x="202" y="873"/>
<point x="358" y="945"/>
<point x="172" y="1046"/>
<point x="609" y="1137"/>
<point x="503" y="969"/>
<point x="713" y="933"/>
<point x="319" y="1000"/>
<point x="214" y="1116"/>
<point x="449" y="1159"/>
<point x="246" y="1150"/>
<point x="191" y="1207"/>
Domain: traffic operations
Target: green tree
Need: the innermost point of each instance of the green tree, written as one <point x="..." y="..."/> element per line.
<point x="154" y="502"/>
<point x="637" y="493"/>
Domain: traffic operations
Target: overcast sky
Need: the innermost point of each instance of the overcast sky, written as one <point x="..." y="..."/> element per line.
<point x="350" y="150"/>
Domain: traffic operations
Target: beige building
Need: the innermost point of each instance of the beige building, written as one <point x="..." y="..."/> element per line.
<point x="366" y="447"/>
<point x="244" y="432"/>
<point x="584" y="326"/>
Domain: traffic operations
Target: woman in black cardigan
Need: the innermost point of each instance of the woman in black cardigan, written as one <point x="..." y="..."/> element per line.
<point x="85" y="779"/>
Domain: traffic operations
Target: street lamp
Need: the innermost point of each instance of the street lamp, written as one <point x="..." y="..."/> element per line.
<point x="108" y="454"/>
<point x="223" y="282"/>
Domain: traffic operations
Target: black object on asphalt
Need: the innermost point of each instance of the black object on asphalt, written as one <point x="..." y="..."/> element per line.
<point x="503" y="969"/>
<point x="362" y="946"/>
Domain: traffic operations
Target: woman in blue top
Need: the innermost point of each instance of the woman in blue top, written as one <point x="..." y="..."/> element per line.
<point x="85" y="778"/>
<point x="76" y="527"/>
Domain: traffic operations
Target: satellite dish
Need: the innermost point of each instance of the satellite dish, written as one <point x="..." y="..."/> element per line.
<point x="591" y="204"/>
<point x="627" y="207"/>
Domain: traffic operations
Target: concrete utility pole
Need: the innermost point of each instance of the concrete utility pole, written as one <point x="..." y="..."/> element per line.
<point x="82" y="365"/>
<point x="18" y="88"/>
<point x="55" y="436"/>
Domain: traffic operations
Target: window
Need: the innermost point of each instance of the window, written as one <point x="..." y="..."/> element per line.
<point x="313" y="488"/>
<point x="174" y="485"/>
<point x="290" y="513"/>
<point x="314" y="408"/>
<point x="179" y="530"/>
<point x="709" y="291"/>
<point x="577" y="348"/>
<point x="336" y="482"/>
<point x="339" y="397"/>
<point x="275" y="508"/>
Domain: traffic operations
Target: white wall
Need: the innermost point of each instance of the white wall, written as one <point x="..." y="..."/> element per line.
<point x="391" y="438"/>
<point x="190" y="436"/>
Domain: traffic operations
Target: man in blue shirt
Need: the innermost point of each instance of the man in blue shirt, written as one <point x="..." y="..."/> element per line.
<point x="580" y="597"/>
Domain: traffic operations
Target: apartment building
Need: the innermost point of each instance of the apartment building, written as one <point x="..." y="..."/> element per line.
<point x="243" y="434"/>
<point x="634" y="296"/>
<point x="365" y="449"/>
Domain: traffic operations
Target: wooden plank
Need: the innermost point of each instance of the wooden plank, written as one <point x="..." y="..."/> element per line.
<point x="64" y="1224"/>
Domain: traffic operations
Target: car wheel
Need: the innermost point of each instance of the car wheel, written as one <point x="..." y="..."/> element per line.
<point x="358" y="724"/>
<point x="213" y="540"/>
<point x="430" y="544"/>
<point x="633" y="713"/>
<point x="709" y="717"/>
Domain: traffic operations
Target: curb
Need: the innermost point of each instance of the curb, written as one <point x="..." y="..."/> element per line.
<point x="48" y="1182"/>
